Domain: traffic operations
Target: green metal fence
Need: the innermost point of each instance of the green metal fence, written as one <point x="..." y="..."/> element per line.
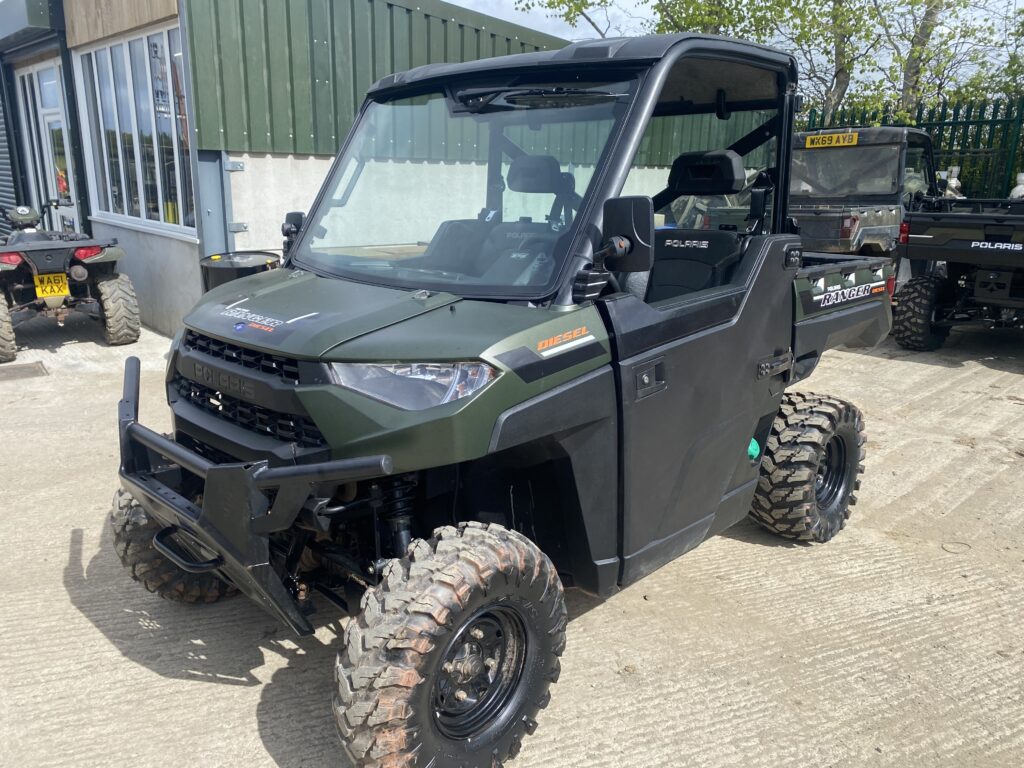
<point x="982" y="137"/>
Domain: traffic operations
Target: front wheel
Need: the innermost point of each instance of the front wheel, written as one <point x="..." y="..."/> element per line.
<point x="451" y="658"/>
<point x="133" y="542"/>
<point x="119" y="308"/>
<point x="913" y="322"/>
<point x="811" y="468"/>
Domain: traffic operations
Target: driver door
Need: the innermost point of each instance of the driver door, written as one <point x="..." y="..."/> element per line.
<point x="701" y="361"/>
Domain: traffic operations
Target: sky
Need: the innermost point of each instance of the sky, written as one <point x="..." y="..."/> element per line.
<point x="624" y="22"/>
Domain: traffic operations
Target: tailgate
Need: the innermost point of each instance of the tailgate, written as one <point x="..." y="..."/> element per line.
<point x="981" y="238"/>
<point x="839" y="301"/>
<point x="819" y="223"/>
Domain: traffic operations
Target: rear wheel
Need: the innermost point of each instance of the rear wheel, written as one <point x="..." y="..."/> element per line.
<point x="8" y="346"/>
<point x="452" y="656"/>
<point x="133" y="542"/>
<point x="914" y="316"/>
<point x="120" y="309"/>
<point x="811" y="468"/>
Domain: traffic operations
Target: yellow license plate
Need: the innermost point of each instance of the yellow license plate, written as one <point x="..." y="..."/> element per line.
<point x="831" y="140"/>
<point x="51" y="285"/>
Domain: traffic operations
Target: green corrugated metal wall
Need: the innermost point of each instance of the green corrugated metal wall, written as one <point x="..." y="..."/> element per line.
<point x="287" y="76"/>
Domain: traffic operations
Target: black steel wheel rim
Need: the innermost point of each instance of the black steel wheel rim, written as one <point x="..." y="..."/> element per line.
<point x="833" y="476"/>
<point x="480" y="672"/>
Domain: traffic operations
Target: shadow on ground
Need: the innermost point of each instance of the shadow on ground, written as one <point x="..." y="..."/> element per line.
<point x="750" y="532"/>
<point x="43" y="333"/>
<point x="224" y="644"/>
<point x="999" y="349"/>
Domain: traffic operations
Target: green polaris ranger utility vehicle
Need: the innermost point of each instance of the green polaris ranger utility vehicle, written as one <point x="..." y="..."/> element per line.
<point x="484" y="374"/>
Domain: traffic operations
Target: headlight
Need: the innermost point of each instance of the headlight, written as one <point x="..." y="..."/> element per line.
<point x="415" y="386"/>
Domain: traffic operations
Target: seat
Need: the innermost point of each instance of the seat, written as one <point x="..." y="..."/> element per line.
<point x="456" y="245"/>
<point x="689" y="260"/>
<point x="511" y="247"/>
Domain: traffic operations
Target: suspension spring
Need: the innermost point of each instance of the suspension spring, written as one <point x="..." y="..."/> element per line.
<point x="397" y="502"/>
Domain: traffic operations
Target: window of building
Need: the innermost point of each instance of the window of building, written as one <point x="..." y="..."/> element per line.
<point x="137" y="138"/>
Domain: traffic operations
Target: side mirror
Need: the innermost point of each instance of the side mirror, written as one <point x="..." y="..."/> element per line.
<point x="631" y="218"/>
<point x="292" y="224"/>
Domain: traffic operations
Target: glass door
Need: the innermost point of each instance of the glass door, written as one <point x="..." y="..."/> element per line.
<point x="46" y="142"/>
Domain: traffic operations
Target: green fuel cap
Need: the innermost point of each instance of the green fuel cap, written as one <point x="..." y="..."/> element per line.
<point x="753" y="450"/>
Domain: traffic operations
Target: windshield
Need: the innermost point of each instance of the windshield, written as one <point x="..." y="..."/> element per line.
<point x="864" y="171"/>
<point x="474" y="191"/>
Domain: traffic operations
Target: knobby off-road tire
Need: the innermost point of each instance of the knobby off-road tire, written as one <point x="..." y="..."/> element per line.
<point x="811" y="468"/>
<point x="8" y="346"/>
<point x="913" y="318"/>
<point x="133" y="542"/>
<point x="422" y="634"/>
<point x="120" y="309"/>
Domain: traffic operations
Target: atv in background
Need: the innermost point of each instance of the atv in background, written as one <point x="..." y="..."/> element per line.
<point x="54" y="273"/>
<point x="967" y="264"/>
<point x="851" y="188"/>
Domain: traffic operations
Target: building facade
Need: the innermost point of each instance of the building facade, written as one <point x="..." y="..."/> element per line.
<point x="187" y="127"/>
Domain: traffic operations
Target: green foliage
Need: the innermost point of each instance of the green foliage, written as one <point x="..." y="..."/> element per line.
<point x="871" y="54"/>
<point x="574" y="12"/>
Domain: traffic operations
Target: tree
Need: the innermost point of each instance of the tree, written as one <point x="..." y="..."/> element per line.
<point x="831" y="40"/>
<point x="936" y="49"/>
<point x="593" y="14"/>
<point x="874" y="53"/>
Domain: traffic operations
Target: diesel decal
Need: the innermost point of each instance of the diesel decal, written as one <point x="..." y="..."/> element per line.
<point x="224" y="382"/>
<point x="563" y="342"/>
<point x="998" y="246"/>
<point x="688" y="243"/>
<point x="839" y="295"/>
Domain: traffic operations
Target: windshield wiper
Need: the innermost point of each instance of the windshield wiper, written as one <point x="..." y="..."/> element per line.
<point x="478" y="99"/>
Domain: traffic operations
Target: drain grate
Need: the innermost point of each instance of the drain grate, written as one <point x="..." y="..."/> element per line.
<point x="23" y="371"/>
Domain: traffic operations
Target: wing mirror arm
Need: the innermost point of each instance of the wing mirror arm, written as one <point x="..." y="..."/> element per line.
<point x="627" y="239"/>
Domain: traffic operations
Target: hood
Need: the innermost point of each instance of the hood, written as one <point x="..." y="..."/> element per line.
<point x="299" y="314"/>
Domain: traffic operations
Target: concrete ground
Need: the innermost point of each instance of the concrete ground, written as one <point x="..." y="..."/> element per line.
<point x="901" y="643"/>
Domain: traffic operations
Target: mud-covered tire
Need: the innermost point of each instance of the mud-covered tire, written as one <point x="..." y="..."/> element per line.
<point x="133" y="542"/>
<point x="914" y="314"/>
<point x="390" y="675"/>
<point x="119" y="309"/>
<point x="8" y="345"/>
<point x="812" y="435"/>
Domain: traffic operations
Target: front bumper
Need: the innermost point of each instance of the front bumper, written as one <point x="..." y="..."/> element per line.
<point x="242" y="504"/>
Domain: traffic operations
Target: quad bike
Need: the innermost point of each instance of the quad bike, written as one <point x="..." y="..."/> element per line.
<point x="55" y="273"/>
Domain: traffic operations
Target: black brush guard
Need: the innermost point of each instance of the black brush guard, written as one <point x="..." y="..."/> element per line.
<point x="242" y="504"/>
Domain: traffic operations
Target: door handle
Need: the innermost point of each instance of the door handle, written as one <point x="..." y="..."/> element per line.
<point x="649" y="377"/>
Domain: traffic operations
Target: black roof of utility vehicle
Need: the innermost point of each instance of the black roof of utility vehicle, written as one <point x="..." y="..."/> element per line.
<point x="887" y="134"/>
<point x="614" y="51"/>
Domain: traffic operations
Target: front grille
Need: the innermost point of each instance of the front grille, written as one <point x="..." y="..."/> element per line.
<point x="287" y="427"/>
<point x="208" y="452"/>
<point x="285" y="368"/>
